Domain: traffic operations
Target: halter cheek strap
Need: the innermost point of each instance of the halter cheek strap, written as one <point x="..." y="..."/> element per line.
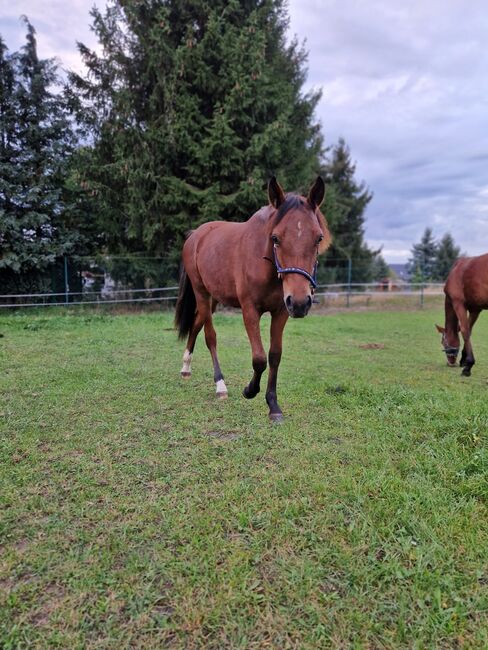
<point x="295" y="269"/>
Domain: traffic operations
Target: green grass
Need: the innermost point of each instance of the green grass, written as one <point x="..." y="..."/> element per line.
<point x="139" y="511"/>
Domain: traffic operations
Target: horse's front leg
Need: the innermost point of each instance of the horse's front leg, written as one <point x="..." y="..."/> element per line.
<point x="465" y="325"/>
<point x="251" y="321"/>
<point x="278" y="322"/>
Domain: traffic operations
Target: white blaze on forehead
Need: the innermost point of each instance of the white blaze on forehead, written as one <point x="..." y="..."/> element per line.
<point x="299" y="228"/>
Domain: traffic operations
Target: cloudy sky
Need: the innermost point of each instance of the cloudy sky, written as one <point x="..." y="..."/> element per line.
<point x="405" y="83"/>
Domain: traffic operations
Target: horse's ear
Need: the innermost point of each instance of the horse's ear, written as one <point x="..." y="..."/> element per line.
<point x="316" y="194"/>
<point x="275" y="192"/>
<point x="440" y="329"/>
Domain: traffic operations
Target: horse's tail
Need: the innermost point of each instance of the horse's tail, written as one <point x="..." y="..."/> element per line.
<point x="185" y="306"/>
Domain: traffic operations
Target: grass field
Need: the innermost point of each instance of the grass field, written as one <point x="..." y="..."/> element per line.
<point x="138" y="511"/>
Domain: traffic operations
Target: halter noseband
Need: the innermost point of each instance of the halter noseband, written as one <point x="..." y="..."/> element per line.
<point x="450" y="350"/>
<point x="295" y="269"/>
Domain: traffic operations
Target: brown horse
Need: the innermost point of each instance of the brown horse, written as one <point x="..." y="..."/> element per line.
<point x="267" y="263"/>
<point x="466" y="291"/>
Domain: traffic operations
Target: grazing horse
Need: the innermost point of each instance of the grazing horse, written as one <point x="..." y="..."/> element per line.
<point x="267" y="263"/>
<point x="466" y="291"/>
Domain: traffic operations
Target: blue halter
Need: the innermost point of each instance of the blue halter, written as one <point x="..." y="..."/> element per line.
<point x="296" y="269"/>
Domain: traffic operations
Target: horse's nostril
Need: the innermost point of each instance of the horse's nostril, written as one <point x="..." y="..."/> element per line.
<point x="309" y="299"/>
<point x="288" y="301"/>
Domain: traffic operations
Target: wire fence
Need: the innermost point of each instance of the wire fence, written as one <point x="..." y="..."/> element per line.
<point x="141" y="280"/>
<point x="326" y="294"/>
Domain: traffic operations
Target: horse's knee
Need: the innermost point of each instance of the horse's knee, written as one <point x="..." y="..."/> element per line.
<point x="259" y="365"/>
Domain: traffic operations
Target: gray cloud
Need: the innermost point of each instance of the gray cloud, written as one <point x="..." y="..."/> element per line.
<point x="406" y="86"/>
<point x="59" y="24"/>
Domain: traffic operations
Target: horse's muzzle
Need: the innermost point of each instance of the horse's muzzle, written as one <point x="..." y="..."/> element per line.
<point x="298" y="309"/>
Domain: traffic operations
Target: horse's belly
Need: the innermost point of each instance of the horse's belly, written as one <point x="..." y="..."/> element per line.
<point x="221" y="289"/>
<point x="226" y="300"/>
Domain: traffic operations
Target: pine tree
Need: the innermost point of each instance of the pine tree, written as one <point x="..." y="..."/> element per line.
<point x="446" y="254"/>
<point x="36" y="204"/>
<point x="8" y="154"/>
<point x="380" y="269"/>
<point x="345" y="203"/>
<point x="192" y="106"/>
<point x="422" y="264"/>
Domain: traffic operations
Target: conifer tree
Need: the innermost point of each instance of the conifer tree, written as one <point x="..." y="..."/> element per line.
<point x="8" y="153"/>
<point x="422" y="264"/>
<point x="37" y="206"/>
<point x="345" y="204"/>
<point x="380" y="269"/>
<point x="192" y="105"/>
<point x="446" y="254"/>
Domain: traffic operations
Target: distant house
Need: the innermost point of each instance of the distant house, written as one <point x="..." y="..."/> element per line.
<point x="400" y="271"/>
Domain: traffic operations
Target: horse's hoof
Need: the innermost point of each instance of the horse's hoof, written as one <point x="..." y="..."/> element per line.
<point x="276" y="418"/>
<point x="222" y="395"/>
<point x="248" y="394"/>
<point x="185" y="375"/>
<point x="466" y="372"/>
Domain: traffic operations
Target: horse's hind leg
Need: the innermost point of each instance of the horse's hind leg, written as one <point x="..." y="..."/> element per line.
<point x="211" y="341"/>
<point x="202" y="312"/>
<point x="203" y="318"/>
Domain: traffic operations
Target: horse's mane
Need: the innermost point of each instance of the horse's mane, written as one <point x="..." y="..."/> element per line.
<point x="291" y="202"/>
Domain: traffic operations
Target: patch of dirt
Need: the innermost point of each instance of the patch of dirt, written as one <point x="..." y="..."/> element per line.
<point x="161" y="608"/>
<point x="336" y="390"/>
<point x="223" y="435"/>
<point x="6" y="585"/>
<point x="53" y="597"/>
<point x="335" y="440"/>
<point x="333" y="585"/>
<point x="372" y="346"/>
<point x="21" y="545"/>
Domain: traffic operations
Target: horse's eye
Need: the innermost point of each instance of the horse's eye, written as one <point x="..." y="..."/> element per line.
<point x="275" y="239"/>
<point x="319" y="239"/>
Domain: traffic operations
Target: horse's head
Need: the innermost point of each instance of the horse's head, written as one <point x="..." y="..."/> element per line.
<point x="450" y="344"/>
<point x="299" y="233"/>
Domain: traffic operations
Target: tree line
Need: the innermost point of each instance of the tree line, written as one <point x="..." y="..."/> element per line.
<point x="432" y="259"/>
<point x="181" y="118"/>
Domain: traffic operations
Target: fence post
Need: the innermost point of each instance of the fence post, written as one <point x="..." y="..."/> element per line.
<point x="422" y="294"/>
<point x="349" y="275"/>
<point x="66" y="285"/>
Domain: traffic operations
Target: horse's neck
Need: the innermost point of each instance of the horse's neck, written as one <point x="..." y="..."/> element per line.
<point x="262" y="215"/>
<point x="451" y="323"/>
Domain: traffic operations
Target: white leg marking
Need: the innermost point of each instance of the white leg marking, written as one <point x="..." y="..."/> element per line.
<point x="186" y="370"/>
<point x="221" y="389"/>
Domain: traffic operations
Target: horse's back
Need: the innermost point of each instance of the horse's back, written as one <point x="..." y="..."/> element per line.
<point x="468" y="281"/>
